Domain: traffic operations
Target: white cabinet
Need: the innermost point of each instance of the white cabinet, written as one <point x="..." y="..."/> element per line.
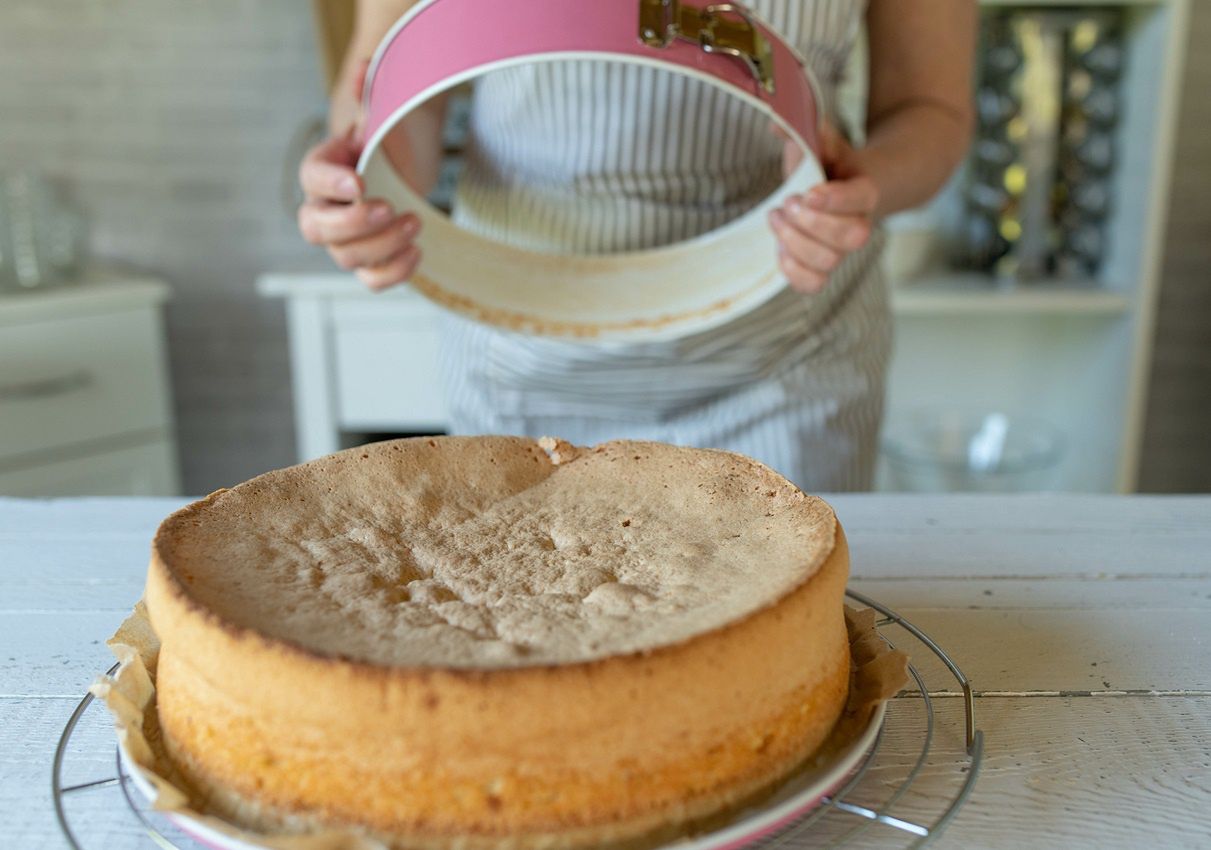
<point x="84" y="402"/>
<point x="148" y="468"/>
<point x="386" y="365"/>
<point x="362" y="363"/>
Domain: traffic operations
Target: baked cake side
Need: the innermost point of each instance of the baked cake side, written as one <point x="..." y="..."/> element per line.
<point x="537" y="751"/>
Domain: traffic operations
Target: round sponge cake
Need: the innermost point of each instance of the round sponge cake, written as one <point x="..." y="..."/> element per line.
<point x="497" y="642"/>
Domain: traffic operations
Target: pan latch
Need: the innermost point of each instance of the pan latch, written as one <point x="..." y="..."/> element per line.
<point x="727" y="28"/>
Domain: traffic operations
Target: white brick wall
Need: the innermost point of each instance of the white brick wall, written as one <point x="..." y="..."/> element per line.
<point x="171" y="121"/>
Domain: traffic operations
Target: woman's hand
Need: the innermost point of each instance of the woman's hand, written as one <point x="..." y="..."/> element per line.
<point x="362" y="235"/>
<point x="816" y="230"/>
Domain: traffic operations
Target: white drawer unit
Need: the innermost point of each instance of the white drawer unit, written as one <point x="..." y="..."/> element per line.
<point x="77" y="379"/>
<point x="84" y="402"/>
<point x="147" y="468"/>
<point x="386" y="357"/>
<point x="362" y="363"/>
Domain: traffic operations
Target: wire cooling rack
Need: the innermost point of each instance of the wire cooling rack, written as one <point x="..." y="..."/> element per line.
<point x="880" y="794"/>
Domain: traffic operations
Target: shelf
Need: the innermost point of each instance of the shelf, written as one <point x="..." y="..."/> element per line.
<point x="970" y="295"/>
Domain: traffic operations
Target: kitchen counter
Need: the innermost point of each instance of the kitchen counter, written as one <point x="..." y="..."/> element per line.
<point x="1083" y="622"/>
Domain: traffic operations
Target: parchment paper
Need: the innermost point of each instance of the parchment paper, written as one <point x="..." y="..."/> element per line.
<point x="877" y="673"/>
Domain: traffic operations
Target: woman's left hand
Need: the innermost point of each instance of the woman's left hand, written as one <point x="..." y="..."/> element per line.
<point x="816" y="230"/>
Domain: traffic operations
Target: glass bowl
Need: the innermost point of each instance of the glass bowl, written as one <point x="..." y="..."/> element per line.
<point x="940" y="450"/>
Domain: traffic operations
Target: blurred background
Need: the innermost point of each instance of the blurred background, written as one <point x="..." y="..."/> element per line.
<point x="164" y="329"/>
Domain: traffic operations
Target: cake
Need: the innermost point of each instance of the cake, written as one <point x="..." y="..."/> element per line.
<point x="498" y="642"/>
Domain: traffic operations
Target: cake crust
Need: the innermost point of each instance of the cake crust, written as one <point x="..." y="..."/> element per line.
<point x="499" y="753"/>
<point x="496" y="551"/>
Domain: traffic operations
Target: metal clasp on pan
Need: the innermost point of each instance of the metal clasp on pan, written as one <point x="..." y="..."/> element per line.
<point x="717" y="28"/>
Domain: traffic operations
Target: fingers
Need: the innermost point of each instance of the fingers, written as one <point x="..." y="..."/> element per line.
<point x="812" y="241"/>
<point x="840" y="232"/>
<point x="324" y="223"/>
<point x="379" y="248"/>
<point x="364" y="236"/>
<point x="855" y="196"/>
<point x="800" y="277"/>
<point x="327" y="171"/>
<point x="396" y="269"/>
<point x="806" y="250"/>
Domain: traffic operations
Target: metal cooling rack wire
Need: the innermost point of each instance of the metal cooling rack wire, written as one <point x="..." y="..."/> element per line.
<point x="795" y="834"/>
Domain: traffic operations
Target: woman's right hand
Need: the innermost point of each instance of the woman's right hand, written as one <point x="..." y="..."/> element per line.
<point x="363" y="235"/>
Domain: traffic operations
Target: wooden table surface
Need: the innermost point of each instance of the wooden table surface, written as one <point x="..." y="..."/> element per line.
<point x="1084" y="623"/>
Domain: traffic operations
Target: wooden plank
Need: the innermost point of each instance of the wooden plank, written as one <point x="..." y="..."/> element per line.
<point x="1056" y="772"/>
<point x="76" y="554"/>
<point x="896" y="536"/>
<point x="1133" y="772"/>
<point x="44" y="523"/>
<point x="966" y="535"/>
<point x="949" y="536"/>
<point x="1002" y="650"/>
<point x="1026" y="512"/>
<point x="1038" y="593"/>
<point x="1021" y="596"/>
<point x="81" y="575"/>
<point x="1010" y="635"/>
<point x="29" y="731"/>
<point x="1140" y="520"/>
<point x="1018" y="651"/>
<point x="1036" y="636"/>
<point x="55" y="654"/>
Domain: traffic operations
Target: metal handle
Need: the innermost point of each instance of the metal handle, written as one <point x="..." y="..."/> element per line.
<point x="47" y="387"/>
<point x="662" y="21"/>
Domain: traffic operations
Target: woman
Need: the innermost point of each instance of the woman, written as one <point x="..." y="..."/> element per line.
<point x="598" y="157"/>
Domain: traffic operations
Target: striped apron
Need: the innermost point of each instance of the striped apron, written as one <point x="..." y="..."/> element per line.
<point x="593" y="157"/>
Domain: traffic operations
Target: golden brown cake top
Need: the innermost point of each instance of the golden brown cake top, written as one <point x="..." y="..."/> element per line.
<point x="498" y="551"/>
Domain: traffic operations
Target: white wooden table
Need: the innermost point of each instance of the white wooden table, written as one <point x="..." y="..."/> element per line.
<point x="1084" y="623"/>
